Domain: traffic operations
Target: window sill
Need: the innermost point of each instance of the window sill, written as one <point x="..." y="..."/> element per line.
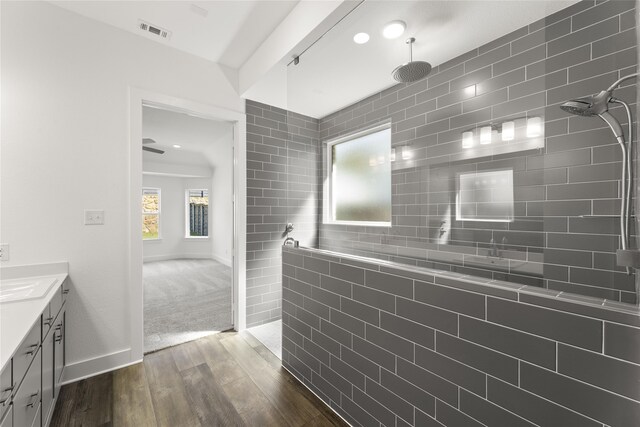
<point x="196" y="238"/>
<point x="159" y="239"/>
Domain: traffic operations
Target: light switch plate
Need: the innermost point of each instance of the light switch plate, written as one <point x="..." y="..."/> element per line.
<point x="4" y="252"/>
<point x="93" y="217"/>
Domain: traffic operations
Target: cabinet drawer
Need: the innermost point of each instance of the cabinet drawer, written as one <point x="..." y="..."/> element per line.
<point x="25" y="354"/>
<point x="7" y="421"/>
<point x="5" y="388"/>
<point x="26" y="401"/>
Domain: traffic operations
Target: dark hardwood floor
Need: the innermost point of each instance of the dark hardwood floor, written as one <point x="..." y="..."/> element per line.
<point x="227" y="379"/>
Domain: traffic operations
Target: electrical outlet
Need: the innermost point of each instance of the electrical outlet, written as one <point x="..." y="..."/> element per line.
<point x="4" y="252"/>
<point x="92" y="217"/>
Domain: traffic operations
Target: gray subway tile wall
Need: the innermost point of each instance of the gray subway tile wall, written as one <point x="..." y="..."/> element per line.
<point x="420" y="362"/>
<point x="575" y="52"/>
<point x="282" y="186"/>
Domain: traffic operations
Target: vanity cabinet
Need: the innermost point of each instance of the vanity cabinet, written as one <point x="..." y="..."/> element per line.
<point x="30" y="381"/>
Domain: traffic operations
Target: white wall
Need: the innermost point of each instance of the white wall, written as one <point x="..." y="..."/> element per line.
<point x="205" y="144"/>
<point x="221" y="204"/>
<point x="172" y="243"/>
<point x="65" y="130"/>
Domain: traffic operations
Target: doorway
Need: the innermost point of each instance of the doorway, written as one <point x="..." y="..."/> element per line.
<point x="187" y="223"/>
<point x="204" y="254"/>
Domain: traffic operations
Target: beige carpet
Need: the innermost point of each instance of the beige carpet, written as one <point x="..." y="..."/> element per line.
<point x="184" y="300"/>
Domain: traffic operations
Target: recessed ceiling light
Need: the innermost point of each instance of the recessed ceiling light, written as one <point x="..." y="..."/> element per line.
<point x="394" y="29"/>
<point x="176" y="146"/>
<point x="361" y="38"/>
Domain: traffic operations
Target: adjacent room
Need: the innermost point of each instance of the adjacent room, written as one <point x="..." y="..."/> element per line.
<point x="187" y="223"/>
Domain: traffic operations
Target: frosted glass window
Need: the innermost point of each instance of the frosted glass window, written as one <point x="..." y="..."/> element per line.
<point x="485" y="196"/>
<point x="360" y="179"/>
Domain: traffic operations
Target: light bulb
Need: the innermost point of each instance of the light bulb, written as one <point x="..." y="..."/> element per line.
<point x="508" y="131"/>
<point x="534" y="127"/>
<point x="394" y="29"/>
<point x="467" y="139"/>
<point x="361" y="38"/>
<point x="485" y="135"/>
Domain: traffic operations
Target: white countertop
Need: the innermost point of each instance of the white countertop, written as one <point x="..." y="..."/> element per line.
<point x="17" y="317"/>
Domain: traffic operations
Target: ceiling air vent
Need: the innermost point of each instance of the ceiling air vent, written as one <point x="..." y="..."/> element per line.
<point x="154" y="30"/>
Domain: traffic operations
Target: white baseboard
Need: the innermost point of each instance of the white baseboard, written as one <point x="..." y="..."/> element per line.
<point x="96" y="366"/>
<point x="176" y="256"/>
<point x="225" y="261"/>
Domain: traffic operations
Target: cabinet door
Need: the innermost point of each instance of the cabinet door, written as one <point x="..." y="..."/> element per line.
<point x="26" y="401"/>
<point x="6" y="387"/>
<point x="59" y="353"/>
<point x="47" y="374"/>
<point x="7" y="421"/>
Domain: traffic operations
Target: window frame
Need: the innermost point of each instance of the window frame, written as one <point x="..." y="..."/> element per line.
<point x="157" y="213"/>
<point x="459" y="216"/>
<point x="187" y="217"/>
<point x="327" y="187"/>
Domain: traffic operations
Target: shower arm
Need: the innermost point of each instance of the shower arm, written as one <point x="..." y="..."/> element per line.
<point x="620" y="80"/>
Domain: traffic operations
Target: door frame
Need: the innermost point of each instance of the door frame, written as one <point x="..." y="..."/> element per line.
<point x="138" y="98"/>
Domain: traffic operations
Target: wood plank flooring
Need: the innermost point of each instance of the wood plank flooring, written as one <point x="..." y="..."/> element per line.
<point x="227" y="379"/>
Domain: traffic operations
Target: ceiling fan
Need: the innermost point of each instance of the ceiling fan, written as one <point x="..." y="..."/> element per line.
<point x="147" y="141"/>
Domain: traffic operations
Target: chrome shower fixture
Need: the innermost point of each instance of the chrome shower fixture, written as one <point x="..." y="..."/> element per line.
<point x="413" y="70"/>
<point x="598" y="105"/>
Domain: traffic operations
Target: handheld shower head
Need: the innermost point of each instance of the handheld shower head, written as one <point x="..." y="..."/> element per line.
<point x="589" y="105"/>
<point x="598" y="105"/>
<point x="595" y="105"/>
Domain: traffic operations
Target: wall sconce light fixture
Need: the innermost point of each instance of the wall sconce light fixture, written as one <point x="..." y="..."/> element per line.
<point x="516" y="130"/>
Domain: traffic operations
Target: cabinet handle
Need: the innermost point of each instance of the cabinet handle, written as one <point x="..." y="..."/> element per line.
<point x="48" y="321"/>
<point x="33" y="348"/>
<point x="65" y="291"/>
<point x="4" y="400"/>
<point x="34" y="399"/>
<point x="58" y="338"/>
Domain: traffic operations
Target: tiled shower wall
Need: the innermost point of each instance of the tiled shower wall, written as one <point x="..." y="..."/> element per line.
<point x="385" y="345"/>
<point x="282" y="186"/>
<point x="555" y="241"/>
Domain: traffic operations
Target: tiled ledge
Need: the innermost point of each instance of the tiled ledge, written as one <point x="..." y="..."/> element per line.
<point x="598" y="308"/>
<point x="389" y="344"/>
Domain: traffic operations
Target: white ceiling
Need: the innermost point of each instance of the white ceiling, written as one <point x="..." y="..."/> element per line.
<point x="336" y="72"/>
<point x="199" y="138"/>
<point x="225" y="32"/>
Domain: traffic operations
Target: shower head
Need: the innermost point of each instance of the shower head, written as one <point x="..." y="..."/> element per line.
<point x="579" y="107"/>
<point x="413" y="70"/>
<point x="588" y="106"/>
<point x="595" y="105"/>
